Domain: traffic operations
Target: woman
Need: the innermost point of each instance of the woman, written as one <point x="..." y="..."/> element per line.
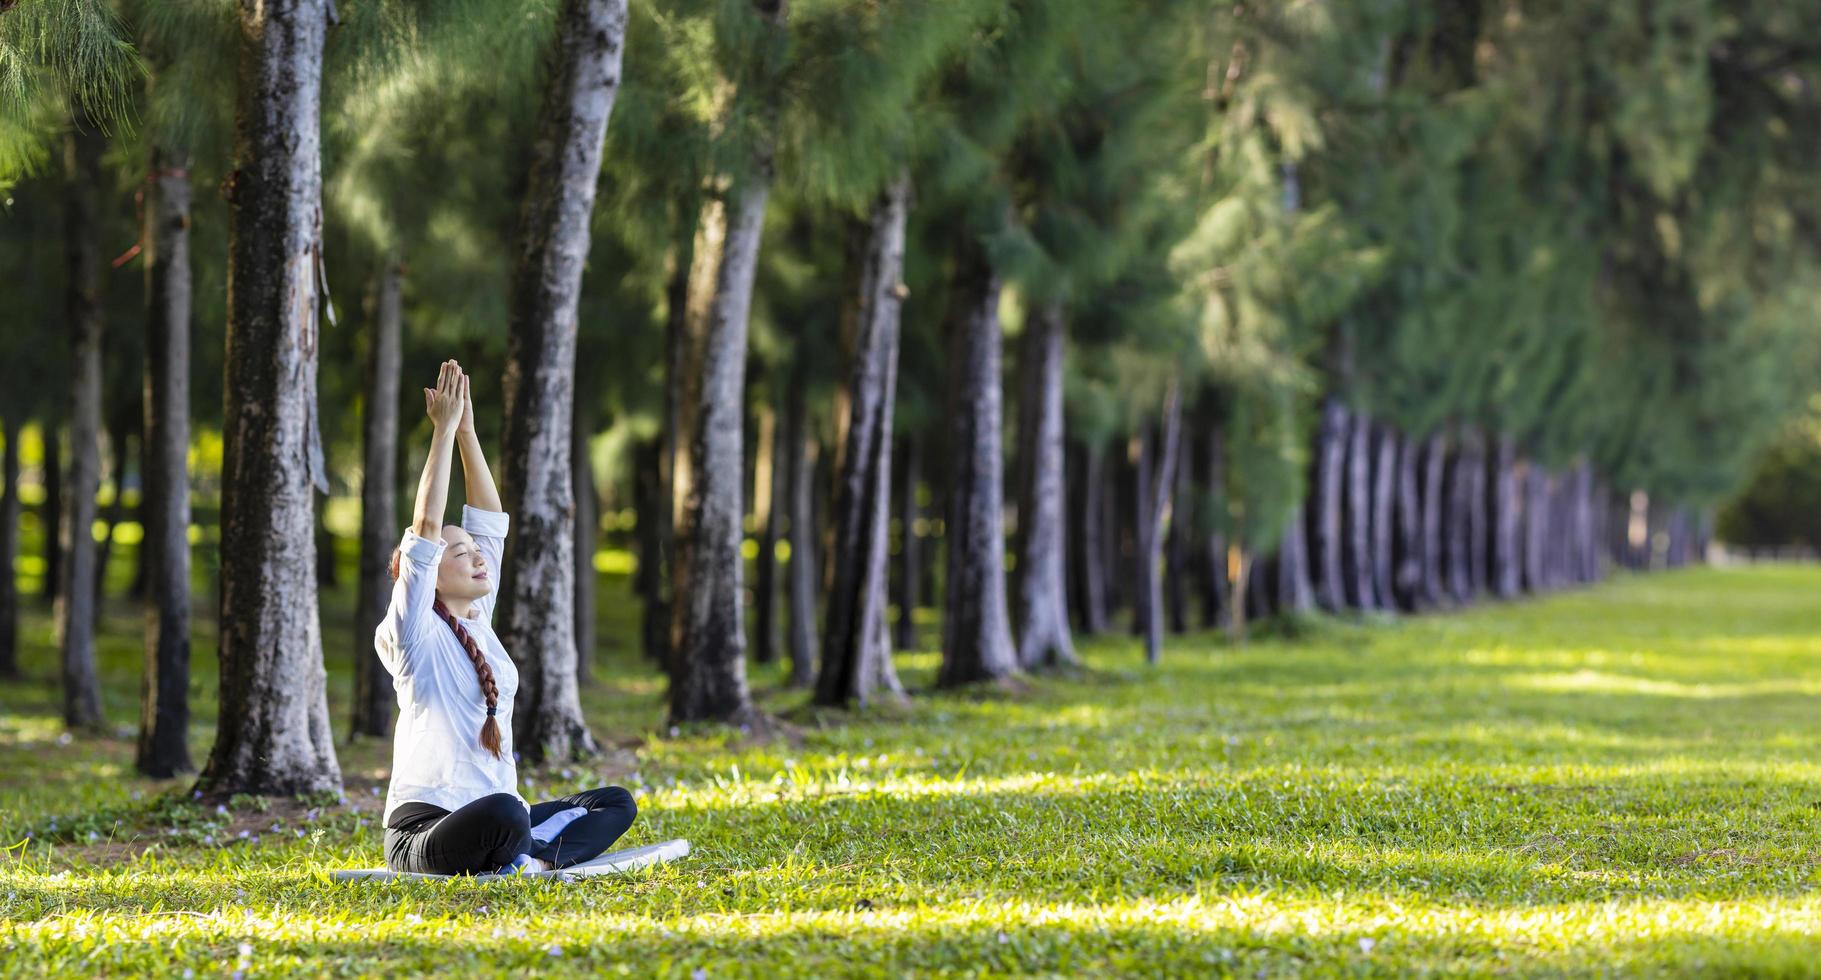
<point x="453" y="806"/>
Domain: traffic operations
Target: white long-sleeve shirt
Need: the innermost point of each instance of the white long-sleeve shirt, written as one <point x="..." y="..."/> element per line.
<point x="437" y="756"/>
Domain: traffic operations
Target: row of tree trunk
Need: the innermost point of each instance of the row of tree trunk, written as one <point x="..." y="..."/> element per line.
<point x="1390" y="524"/>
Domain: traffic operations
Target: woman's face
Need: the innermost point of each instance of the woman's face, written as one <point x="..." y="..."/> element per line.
<point x="463" y="573"/>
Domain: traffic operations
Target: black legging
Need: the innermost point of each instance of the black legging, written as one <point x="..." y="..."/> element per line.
<point x="485" y="835"/>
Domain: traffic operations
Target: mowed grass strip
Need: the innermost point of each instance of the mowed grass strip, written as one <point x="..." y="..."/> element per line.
<point x="1621" y="779"/>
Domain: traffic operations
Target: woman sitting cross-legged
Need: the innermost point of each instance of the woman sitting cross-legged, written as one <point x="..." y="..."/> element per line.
<point x="453" y="806"/>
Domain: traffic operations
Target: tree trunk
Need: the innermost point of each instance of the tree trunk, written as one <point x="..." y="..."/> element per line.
<point x="658" y="557"/>
<point x="1219" y="575"/>
<point x="1434" y="512"/>
<point x="1356" y="546"/>
<point x="650" y="510"/>
<point x="142" y="563"/>
<point x="1326" y="502"/>
<point x="1115" y="505"/>
<point x="118" y="445"/>
<point x="379" y="530"/>
<point x="52" y="525"/>
<point x="164" y="725"/>
<point x="910" y="548"/>
<point x="76" y="610"/>
<point x="976" y="629"/>
<point x="708" y="662"/>
<point x="1088" y="556"/>
<point x="1139" y="452"/>
<point x="1407" y="570"/>
<point x="1586" y="555"/>
<point x="273" y="736"/>
<point x="1160" y="481"/>
<point x="1293" y="593"/>
<point x="536" y="612"/>
<point x="9" y="549"/>
<point x="1176" y="542"/>
<point x="1040" y="596"/>
<point x="708" y="675"/>
<point x="767" y="493"/>
<point x="800" y="480"/>
<point x="1384" y="504"/>
<point x="1506" y="572"/>
<point x="587" y="529"/>
<point x="1479" y="532"/>
<point x="1458" y="524"/>
<point x="856" y="649"/>
<point x="1259" y="597"/>
<point x="1239" y="587"/>
<point x="1536" y="527"/>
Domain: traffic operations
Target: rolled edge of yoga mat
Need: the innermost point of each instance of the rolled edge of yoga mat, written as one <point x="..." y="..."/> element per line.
<point x="613" y="862"/>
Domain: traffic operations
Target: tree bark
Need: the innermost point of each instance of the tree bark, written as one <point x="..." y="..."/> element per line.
<point x="76" y="611"/>
<point x="1506" y="572"/>
<point x="1293" y="593"/>
<point x="119" y="442"/>
<point x="52" y="512"/>
<point x="536" y="608"/>
<point x="1040" y="594"/>
<point x="1479" y="532"/>
<point x="142" y="561"/>
<point x="1584" y="552"/>
<point x="1536" y="527"/>
<point x="9" y="549"/>
<point x="708" y="662"/>
<point x="708" y="675"/>
<point x="649" y="508"/>
<point x="1139" y="452"/>
<point x="1089" y="554"/>
<point x="379" y="530"/>
<point x="164" y="725"/>
<point x="1116" y="506"/>
<point x="658" y="558"/>
<point x="1259" y="597"/>
<point x="1458" y="524"/>
<point x="587" y="528"/>
<point x="1434" y="512"/>
<point x="910" y="547"/>
<point x="1326" y="504"/>
<point x="1176" y="541"/>
<point x="1384" y="506"/>
<point x="1219" y="578"/>
<point x="273" y="736"/>
<point x="1356" y="545"/>
<point x="976" y="629"/>
<point x="1160" y="481"/>
<point x="801" y="481"/>
<point x="767" y="493"/>
<point x="856" y="649"/>
<point x="1407" y="570"/>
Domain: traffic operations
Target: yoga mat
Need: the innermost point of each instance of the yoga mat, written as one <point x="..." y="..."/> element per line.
<point x="613" y="862"/>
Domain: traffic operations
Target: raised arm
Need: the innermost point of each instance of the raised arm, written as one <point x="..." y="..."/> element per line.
<point x="444" y="403"/>
<point x="482" y="494"/>
<point x="421" y="549"/>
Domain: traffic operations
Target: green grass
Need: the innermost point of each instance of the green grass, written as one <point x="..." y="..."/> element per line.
<point x="1622" y="780"/>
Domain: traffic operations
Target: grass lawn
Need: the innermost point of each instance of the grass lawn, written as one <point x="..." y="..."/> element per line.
<point x="1619" y="780"/>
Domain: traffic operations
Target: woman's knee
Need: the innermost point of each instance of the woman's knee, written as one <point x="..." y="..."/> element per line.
<point x="512" y="823"/>
<point x="610" y="798"/>
<point x="622" y="800"/>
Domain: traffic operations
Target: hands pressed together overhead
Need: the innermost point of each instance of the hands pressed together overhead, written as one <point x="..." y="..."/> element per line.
<point x="448" y="404"/>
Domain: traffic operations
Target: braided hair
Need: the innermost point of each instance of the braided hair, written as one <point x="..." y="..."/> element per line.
<point x="490" y="689"/>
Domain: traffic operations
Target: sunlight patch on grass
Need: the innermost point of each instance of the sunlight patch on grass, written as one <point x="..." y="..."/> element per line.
<point x="1593" y="680"/>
